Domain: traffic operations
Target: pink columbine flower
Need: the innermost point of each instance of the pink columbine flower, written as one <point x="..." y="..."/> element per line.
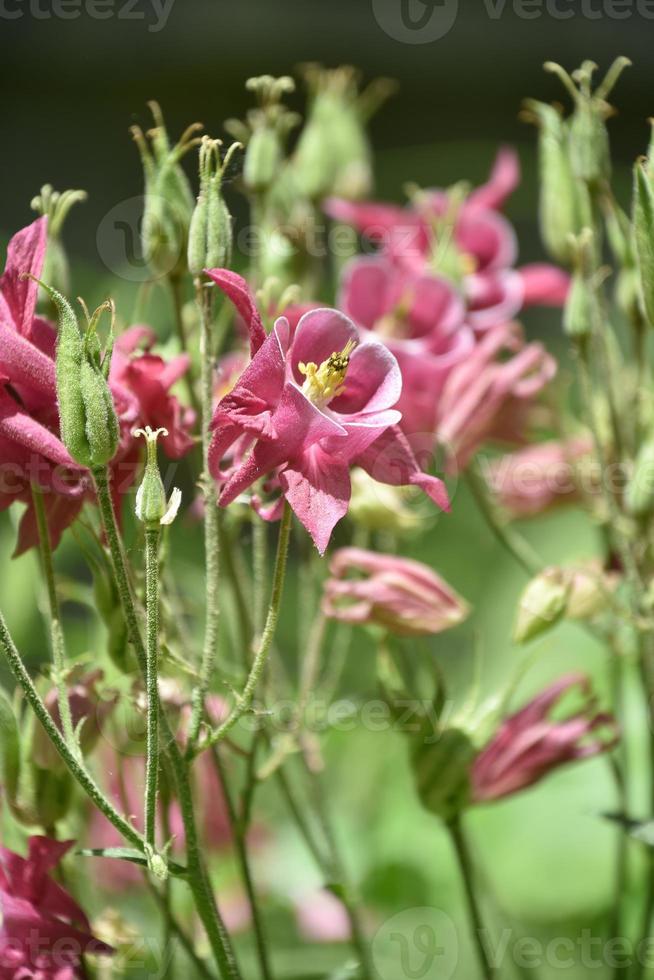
<point x="312" y="402"/>
<point x="321" y="918"/>
<point x="402" y="595"/>
<point x="530" y="744"/>
<point x="43" y="931"/>
<point x="420" y="318"/>
<point x="30" y="447"/>
<point x="470" y="239"/>
<point x="486" y="398"/>
<point x="537" y="478"/>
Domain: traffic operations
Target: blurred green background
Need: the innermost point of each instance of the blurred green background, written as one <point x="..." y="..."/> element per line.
<point x="71" y="88"/>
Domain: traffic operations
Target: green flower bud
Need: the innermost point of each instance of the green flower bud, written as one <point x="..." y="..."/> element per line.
<point x="564" y="201"/>
<point x="639" y="493"/>
<point x="265" y="131"/>
<point x="168" y="196"/>
<point x="441" y="772"/>
<point x="590" y="155"/>
<point x="581" y="309"/>
<point x="333" y="154"/>
<point x="151" y="505"/>
<point x="87" y="417"/>
<point x="210" y="233"/>
<point x="643" y="224"/>
<point x="542" y="604"/>
<point x="380" y="507"/>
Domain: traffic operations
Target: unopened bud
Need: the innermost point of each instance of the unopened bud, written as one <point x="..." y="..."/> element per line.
<point x="581" y="311"/>
<point x="210" y="233"/>
<point x="590" y="587"/>
<point x="151" y="505"/>
<point x="541" y="605"/>
<point x="55" y="207"/>
<point x="441" y="772"/>
<point x="639" y="493"/>
<point x="265" y="131"/>
<point x="643" y="223"/>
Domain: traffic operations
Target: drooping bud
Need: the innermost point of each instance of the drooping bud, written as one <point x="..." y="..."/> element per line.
<point x="333" y="154"/>
<point x="87" y="417"/>
<point x="581" y="310"/>
<point x="590" y="589"/>
<point x="542" y="604"/>
<point x="265" y="131"/>
<point x="55" y="207"/>
<point x="210" y="232"/>
<point x="169" y="200"/>
<point x="590" y="155"/>
<point x="639" y="493"/>
<point x="643" y="223"/>
<point x="564" y="201"/>
<point x="151" y="505"/>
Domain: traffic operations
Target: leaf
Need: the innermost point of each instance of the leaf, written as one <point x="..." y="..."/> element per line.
<point x="129" y="854"/>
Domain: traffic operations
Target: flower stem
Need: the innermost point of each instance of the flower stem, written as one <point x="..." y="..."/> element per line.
<point x="465" y="866"/>
<point x="197" y="874"/>
<point x="244" y="863"/>
<point x="261" y="656"/>
<point x="211" y="518"/>
<point x="56" y="628"/>
<point x="152" y="656"/>
<point x="74" y="764"/>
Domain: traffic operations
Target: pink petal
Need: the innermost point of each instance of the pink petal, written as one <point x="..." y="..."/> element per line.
<point x="25" y="254"/>
<point x="319" y="334"/>
<point x="237" y="290"/>
<point x="544" y="284"/>
<point x="373" y="381"/>
<point x="503" y="180"/>
<point x="318" y="489"/>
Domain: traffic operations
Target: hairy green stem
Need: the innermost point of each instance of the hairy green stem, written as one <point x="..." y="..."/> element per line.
<point x="211" y="525"/>
<point x="56" y="627"/>
<point x="246" y="698"/>
<point x="197" y="874"/>
<point x="467" y="875"/>
<point x="152" y="535"/>
<point x="73" y="764"/>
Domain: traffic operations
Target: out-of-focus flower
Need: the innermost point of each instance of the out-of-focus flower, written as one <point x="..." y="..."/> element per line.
<point x="530" y="744"/>
<point x="312" y="403"/>
<point x="89" y="708"/>
<point x="542" y="604"/>
<point x="379" y="507"/>
<point x="463" y="237"/>
<point x="321" y="918"/>
<point x="485" y="398"/>
<point x="43" y="933"/>
<point x="536" y="478"/>
<point x="402" y="595"/>
<point x="591" y="587"/>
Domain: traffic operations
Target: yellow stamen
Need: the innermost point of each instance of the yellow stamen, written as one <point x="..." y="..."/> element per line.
<point x="326" y="382"/>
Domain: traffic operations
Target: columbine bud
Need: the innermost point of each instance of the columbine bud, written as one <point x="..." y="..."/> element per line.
<point x="210" y="233"/>
<point x="589" y="140"/>
<point x="380" y="507"/>
<point x="581" y="311"/>
<point x="403" y="596"/>
<point x="265" y="131"/>
<point x="88" y="421"/>
<point x="151" y="505"/>
<point x="168" y="196"/>
<point x="639" y="494"/>
<point x="441" y="771"/>
<point x="564" y="201"/>
<point x="55" y="207"/>
<point x="590" y="588"/>
<point x="643" y="223"/>
<point x="542" y="604"/>
<point x="333" y="154"/>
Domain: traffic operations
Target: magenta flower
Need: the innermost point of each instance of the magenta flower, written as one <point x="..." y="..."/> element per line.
<point x="43" y="931"/>
<point x="312" y="403"/>
<point x="486" y="398"/>
<point x="404" y="596"/>
<point x="537" y="478"/>
<point x="529" y="744"/>
<point x="420" y="318"/>
<point x="32" y="452"/>
<point x="469" y="240"/>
